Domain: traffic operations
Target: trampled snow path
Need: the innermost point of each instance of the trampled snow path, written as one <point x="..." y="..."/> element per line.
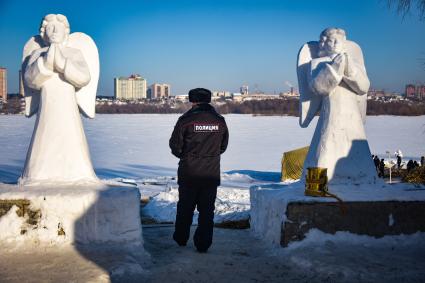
<point x="232" y="202"/>
<point x="235" y="256"/>
<point x="69" y="264"/>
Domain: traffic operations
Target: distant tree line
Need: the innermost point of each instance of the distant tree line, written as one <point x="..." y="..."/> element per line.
<point x="142" y="108"/>
<point x="286" y="107"/>
<point x="397" y="108"/>
<point x="13" y="106"/>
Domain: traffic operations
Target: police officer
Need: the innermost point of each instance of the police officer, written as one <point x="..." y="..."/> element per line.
<point x="199" y="138"/>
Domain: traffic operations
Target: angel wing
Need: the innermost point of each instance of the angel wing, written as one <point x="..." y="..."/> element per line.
<point x="32" y="96"/>
<point x="309" y="102"/>
<point x="86" y="96"/>
<point x="356" y="53"/>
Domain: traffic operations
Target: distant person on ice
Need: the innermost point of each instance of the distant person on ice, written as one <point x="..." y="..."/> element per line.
<point x="376" y="162"/>
<point x="409" y="165"/>
<point x="415" y="164"/>
<point x="382" y="168"/>
<point x="199" y="138"/>
<point x="399" y="156"/>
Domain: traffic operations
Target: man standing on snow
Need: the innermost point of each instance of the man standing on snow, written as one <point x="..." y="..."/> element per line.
<point x="377" y="162"/>
<point x="199" y="138"/>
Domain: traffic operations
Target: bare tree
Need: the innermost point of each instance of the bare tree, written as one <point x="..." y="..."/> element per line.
<point x="403" y="7"/>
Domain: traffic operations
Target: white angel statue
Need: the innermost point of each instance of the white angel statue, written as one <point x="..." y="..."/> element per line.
<point x="332" y="79"/>
<point x="60" y="72"/>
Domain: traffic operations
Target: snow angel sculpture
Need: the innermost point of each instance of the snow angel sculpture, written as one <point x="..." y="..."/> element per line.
<point x="332" y="79"/>
<point x="60" y="72"/>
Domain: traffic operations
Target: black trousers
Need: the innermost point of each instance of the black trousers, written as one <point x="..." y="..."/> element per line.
<point x="202" y="197"/>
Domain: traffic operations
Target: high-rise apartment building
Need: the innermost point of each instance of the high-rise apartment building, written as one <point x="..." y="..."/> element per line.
<point x="410" y="91"/>
<point x="159" y="91"/>
<point x="3" y="84"/>
<point x="421" y="92"/>
<point x="131" y="88"/>
<point x="415" y="91"/>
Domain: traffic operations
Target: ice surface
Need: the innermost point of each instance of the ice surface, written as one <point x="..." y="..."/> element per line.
<point x="136" y="145"/>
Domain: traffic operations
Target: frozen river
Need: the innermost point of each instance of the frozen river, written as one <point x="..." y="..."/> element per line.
<point x="136" y="145"/>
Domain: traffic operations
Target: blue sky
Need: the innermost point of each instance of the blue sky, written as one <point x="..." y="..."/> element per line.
<point x="218" y="44"/>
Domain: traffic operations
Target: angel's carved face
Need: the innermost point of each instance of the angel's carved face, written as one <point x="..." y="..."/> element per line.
<point x="55" y="32"/>
<point x="333" y="44"/>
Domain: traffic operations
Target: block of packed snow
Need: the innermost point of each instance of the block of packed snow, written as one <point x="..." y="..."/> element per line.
<point x="282" y="213"/>
<point x="96" y="214"/>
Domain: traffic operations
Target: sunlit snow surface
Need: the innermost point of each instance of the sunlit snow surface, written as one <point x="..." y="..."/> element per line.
<point x="134" y="149"/>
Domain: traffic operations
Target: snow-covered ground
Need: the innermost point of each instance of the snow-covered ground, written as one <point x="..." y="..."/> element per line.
<point x="235" y="256"/>
<point x="345" y="257"/>
<point x="134" y="149"/>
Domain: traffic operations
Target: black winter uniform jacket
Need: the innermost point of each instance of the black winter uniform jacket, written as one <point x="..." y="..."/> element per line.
<point x="198" y="139"/>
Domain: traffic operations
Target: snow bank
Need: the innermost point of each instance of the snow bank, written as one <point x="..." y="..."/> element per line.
<point x="357" y="258"/>
<point x="162" y="207"/>
<point x="73" y="215"/>
<point x="231" y="204"/>
<point x="11" y="225"/>
<point x="269" y="202"/>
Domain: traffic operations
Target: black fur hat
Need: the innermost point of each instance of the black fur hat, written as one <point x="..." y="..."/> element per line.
<point x="200" y="95"/>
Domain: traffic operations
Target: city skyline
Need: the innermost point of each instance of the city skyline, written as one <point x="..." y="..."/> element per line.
<point x="222" y="45"/>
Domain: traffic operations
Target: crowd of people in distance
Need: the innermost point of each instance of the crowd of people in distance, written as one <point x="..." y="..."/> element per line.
<point x="413" y="164"/>
<point x="380" y="164"/>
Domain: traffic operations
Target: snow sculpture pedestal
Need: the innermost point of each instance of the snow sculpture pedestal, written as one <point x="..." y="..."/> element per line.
<point x="372" y="218"/>
<point x="281" y="214"/>
<point x="77" y="215"/>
